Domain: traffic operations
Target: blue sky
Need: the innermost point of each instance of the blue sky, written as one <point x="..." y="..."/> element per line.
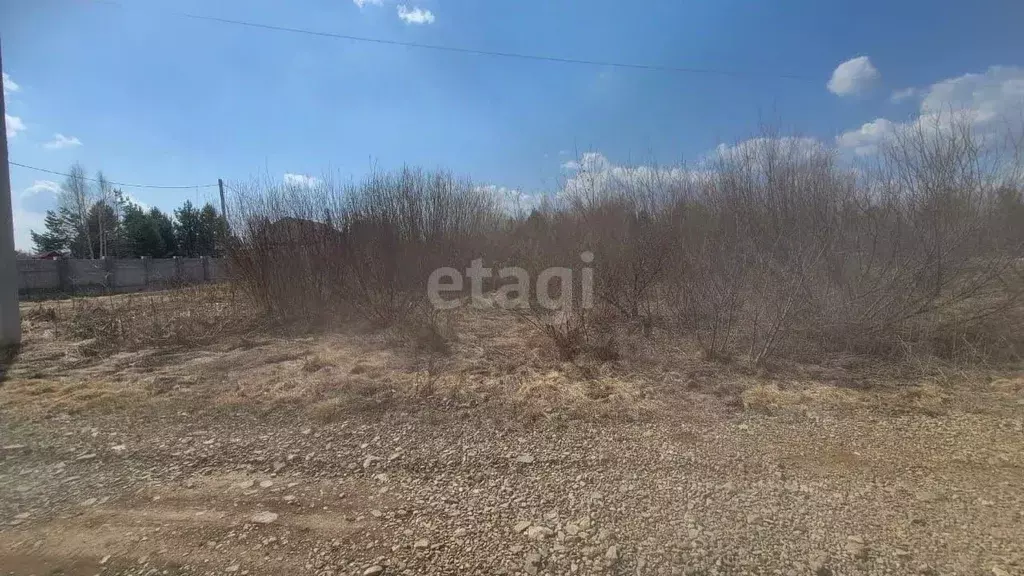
<point x="151" y="97"/>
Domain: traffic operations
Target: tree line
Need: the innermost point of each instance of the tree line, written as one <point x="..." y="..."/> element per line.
<point x="93" y="219"/>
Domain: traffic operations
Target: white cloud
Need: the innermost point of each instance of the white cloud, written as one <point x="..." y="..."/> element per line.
<point x="25" y="221"/>
<point x="362" y="3"/>
<point x="39" y="197"/>
<point x="132" y="199"/>
<point x="588" y="161"/>
<point x="991" y="101"/>
<point x="803" y="146"/>
<point x="41" y="187"/>
<point x="14" y="125"/>
<point x="300" y="180"/>
<point x="996" y="94"/>
<point x="61" y="141"/>
<point x="29" y="210"/>
<point x="901" y="95"/>
<point x="864" y="141"/>
<point x="416" y="15"/>
<point x="512" y="200"/>
<point x="499" y="190"/>
<point x="854" y="76"/>
<point x="10" y="86"/>
<point x="595" y="176"/>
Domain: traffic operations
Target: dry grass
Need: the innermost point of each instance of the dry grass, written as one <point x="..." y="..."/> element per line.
<point x="976" y="391"/>
<point x="497" y="364"/>
<point x="490" y="362"/>
<point x="770" y="398"/>
<point x="314" y="363"/>
<point x="181" y="318"/>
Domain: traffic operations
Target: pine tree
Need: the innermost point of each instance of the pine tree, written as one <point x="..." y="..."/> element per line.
<point x="104" y="229"/>
<point x="212" y="231"/>
<point x="165" y="228"/>
<point x="187" y="229"/>
<point x="141" y="234"/>
<point x="59" y="232"/>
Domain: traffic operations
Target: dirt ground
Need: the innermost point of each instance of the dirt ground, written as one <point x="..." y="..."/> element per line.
<point x="353" y="453"/>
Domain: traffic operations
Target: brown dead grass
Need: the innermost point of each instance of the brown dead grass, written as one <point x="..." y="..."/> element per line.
<point x="184" y="318"/>
<point x="488" y="361"/>
<point x="975" y="392"/>
<point x="491" y="362"/>
<point x="769" y="398"/>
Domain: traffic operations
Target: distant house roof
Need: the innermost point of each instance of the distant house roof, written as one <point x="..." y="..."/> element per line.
<point x="51" y="255"/>
<point x="296" y="232"/>
<point x="298" y="227"/>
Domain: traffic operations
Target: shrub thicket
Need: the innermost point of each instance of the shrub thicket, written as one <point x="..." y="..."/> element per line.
<point x="774" y="248"/>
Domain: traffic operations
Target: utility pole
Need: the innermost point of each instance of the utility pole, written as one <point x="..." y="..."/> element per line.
<point x="223" y="207"/>
<point x="10" y="315"/>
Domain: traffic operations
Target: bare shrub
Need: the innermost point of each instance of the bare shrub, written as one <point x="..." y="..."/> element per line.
<point x="429" y="330"/>
<point x="772" y="248"/>
<point x="705" y="299"/>
<point x="923" y="240"/>
<point x="567" y="330"/>
<point x="575" y="331"/>
<point x="626" y="224"/>
<point x="314" y="253"/>
<point x="427" y="379"/>
<point x="400" y="227"/>
<point x="797" y="253"/>
<point x="284" y="251"/>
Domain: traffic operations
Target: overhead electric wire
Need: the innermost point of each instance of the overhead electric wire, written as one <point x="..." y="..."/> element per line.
<point x="112" y="183"/>
<point x="481" y="52"/>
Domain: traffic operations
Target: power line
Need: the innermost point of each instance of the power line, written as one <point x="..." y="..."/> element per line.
<point x="112" y="183"/>
<point x="479" y="52"/>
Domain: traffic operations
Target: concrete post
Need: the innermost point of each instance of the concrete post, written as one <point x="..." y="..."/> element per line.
<point x="10" y="314"/>
<point x="110" y="273"/>
<point x="64" y="275"/>
<point x="145" y="272"/>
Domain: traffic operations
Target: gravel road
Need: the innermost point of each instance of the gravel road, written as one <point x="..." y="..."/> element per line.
<point x="450" y="493"/>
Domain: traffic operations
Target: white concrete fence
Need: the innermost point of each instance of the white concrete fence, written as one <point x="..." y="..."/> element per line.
<point x="106" y="275"/>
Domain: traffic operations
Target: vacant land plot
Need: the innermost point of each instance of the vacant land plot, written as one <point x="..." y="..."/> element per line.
<point x="210" y="447"/>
